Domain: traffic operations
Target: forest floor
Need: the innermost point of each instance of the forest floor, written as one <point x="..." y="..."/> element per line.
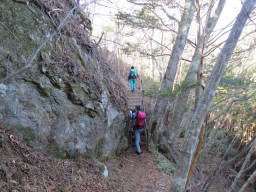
<point x="25" y="170"/>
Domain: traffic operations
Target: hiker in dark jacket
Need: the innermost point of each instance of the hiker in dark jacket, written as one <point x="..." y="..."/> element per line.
<point x="139" y="127"/>
<point x="132" y="78"/>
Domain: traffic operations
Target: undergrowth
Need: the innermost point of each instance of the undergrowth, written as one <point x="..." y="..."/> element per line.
<point x="164" y="164"/>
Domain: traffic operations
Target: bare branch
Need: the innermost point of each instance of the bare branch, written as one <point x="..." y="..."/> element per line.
<point x="140" y="4"/>
<point x="246" y="161"/>
<point x="221" y="33"/>
<point x="84" y="5"/>
<point x="253" y="175"/>
<point x="213" y="20"/>
<point x="169" y="16"/>
<point x="97" y="44"/>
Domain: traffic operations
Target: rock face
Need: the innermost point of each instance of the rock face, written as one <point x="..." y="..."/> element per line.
<point x="61" y="104"/>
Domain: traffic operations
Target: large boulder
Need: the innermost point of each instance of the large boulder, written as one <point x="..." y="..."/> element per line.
<point x="61" y="104"/>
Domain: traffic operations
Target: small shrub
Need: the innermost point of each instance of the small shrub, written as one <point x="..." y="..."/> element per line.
<point x="79" y="172"/>
<point x="220" y="134"/>
<point x="62" y="189"/>
<point x="233" y="151"/>
<point x="164" y="164"/>
<point x="182" y="134"/>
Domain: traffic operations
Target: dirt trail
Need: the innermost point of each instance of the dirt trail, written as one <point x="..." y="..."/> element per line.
<point x="25" y="170"/>
<point x="134" y="98"/>
<point x="138" y="173"/>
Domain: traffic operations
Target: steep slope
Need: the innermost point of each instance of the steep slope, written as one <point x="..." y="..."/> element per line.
<point x="22" y="169"/>
<point x="62" y="103"/>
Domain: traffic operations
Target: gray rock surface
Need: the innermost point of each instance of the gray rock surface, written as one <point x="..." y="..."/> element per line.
<point x="61" y="104"/>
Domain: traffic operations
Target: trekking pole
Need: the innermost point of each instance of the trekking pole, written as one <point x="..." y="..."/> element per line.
<point x="142" y="99"/>
<point x="145" y="121"/>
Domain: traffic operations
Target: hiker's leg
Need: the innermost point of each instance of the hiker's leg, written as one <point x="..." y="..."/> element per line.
<point x="131" y="84"/>
<point x="134" y="84"/>
<point x="137" y="140"/>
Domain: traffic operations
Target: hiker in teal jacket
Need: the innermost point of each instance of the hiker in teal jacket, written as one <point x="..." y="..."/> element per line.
<point x="132" y="78"/>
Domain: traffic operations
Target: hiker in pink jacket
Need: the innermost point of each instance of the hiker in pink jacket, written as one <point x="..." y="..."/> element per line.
<point x="139" y="127"/>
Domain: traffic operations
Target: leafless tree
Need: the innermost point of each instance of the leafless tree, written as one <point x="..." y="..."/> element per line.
<point x="188" y="156"/>
<point x="169" y="77"/>
<point x="193" y="75"/>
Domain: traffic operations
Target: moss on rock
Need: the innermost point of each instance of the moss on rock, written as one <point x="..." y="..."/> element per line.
<point x="28" y="135"/>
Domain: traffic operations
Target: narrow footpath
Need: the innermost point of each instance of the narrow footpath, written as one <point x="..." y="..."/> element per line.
<point x="138" y="173"/>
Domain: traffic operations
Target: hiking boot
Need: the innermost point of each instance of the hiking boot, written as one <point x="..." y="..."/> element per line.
<point x="138" y="153"/>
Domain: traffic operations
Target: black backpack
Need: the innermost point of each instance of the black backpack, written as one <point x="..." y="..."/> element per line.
<point x="131" y="75"/>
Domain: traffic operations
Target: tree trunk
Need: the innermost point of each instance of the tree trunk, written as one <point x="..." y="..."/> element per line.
<point x="191" y="77"/>
<point x="168" y="79"/>
<point x="192" y="135"/>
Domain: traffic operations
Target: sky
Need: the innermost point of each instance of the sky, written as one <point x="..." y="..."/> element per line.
<point x="103" y="12"/>
<point x="229" y="13"/>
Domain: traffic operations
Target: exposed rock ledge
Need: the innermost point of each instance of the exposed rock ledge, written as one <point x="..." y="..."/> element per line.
<point x="61" y="104"/>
